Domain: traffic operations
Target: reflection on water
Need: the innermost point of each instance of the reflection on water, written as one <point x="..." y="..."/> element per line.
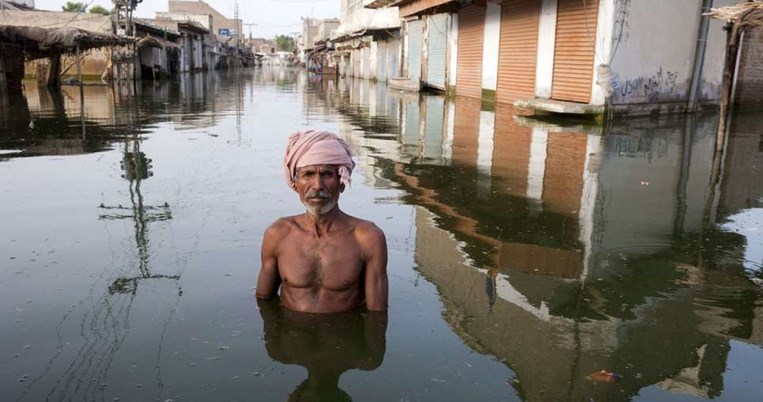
<point x="552" y="251"/>
<point x="327" y="345"/>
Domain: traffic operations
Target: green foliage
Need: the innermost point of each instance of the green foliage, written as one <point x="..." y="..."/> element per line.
<point x="98" y="9"/>
<point x="74" y="7"/>
<point x="285" y="43"/>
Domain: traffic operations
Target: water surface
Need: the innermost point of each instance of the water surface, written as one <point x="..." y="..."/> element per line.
<point x="525" y="256"/>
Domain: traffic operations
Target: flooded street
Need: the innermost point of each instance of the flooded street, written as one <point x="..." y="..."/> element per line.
<point x="524" y="257"/>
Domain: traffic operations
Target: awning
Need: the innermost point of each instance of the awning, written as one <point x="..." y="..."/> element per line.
<point x="152" y="41"/>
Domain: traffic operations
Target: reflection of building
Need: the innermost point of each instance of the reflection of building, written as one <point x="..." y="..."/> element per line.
<point x="563" y="253"/>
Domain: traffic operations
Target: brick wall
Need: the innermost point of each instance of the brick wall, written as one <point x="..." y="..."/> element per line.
<point x="749" y="87"/>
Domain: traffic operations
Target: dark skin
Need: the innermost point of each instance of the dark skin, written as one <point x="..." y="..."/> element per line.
<point x="323" y="261"/>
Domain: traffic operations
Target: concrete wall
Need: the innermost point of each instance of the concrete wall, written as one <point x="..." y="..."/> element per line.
<point x="355" y="17"/>
<point x="712" y="69"/>
<point x="199" y="7"/>
<point x="652" y="51"/>
<point x="652" y="60"/>
<point x="47" y="19"/>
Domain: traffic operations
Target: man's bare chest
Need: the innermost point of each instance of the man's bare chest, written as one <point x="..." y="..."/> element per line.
<point x="334" y="262"/>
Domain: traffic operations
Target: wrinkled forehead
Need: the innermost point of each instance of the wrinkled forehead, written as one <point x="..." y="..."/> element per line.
<point x="318" y="168"/>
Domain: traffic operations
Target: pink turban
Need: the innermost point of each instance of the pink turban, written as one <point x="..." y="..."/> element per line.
<point x="310" y="147"/>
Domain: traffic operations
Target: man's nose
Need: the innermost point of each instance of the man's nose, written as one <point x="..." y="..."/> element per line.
<point x="318" y="182"/>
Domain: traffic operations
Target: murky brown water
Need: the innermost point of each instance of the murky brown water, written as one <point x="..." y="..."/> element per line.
<point x="524" y="256"/>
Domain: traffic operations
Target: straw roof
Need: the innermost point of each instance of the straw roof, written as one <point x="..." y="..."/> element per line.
<point x="38" y="42"/>
<point x="749" y="14"/>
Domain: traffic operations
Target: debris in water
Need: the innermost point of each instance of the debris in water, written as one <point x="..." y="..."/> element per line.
<point x="604" y="376"/>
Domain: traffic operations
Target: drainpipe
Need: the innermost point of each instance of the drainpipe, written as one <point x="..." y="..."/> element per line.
<point x="699" y="55"/>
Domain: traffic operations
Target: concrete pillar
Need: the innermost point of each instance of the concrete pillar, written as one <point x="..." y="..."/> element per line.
<point x="546" y="43"/>
<point x="601" y="87"/>
<point x="490" y="47"/>
<point x="453" y="51"/>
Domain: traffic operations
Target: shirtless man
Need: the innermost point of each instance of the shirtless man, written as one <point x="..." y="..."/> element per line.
<point x="324" y="261"/>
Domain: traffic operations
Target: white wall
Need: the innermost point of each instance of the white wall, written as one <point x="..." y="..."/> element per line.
<point x="453" y="51"/>
<point x="546" y="42"/>
<point x="601" y="85"/>
<point x="355" y="17"/>
<point x="490" y="47"/>
<point x="712" y="70"/>
<point x="653" y="59"/>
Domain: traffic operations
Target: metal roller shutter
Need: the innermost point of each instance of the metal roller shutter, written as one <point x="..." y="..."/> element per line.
<point x="393" y="54"/>
<point x="381" y="61"/>
<point x="574" y="52"/>
<point x="471" y="35"/>
<point x="518" y="50"/>
<point x="414" y="50"/>
<point x="437" y="43"/>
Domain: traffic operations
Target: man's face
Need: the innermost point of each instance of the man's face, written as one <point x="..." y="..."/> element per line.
<point x="318" y="187"/>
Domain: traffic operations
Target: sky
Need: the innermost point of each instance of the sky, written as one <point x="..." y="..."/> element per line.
<point x="273" y="17"/>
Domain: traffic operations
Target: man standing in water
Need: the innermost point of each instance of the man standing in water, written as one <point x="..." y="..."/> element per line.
<point x="323" y="260"/>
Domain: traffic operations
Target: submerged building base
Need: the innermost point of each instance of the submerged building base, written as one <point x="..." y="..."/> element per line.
<point x="560" y="107"/>
<point x="405" y="84"/>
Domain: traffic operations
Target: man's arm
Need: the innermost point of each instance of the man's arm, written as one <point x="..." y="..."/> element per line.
<point x="269" y="279"/>
<point x="376" y="286"/>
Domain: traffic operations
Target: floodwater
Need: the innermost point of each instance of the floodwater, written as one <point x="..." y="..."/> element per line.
<point x="524" y="256"/>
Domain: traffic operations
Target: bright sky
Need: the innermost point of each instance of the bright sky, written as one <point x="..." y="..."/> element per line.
<point x="271" y="16"/>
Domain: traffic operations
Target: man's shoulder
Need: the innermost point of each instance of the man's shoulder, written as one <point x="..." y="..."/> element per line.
<point x="366" y="229"/>
<point x="281" y="227"/>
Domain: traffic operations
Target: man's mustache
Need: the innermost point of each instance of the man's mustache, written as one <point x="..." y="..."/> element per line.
<point x="318" y="194"/>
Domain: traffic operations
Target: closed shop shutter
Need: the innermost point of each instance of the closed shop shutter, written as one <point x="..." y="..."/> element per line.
<point x="518" y="50"/>
<point x="355" y="62"/>
<point x="414" y="50"/>
<point x="393" y="55"/>
<point x="365" y="62"/>
<point x="437" y="43"/>
<point x="381" y="61"/>
<point x="574" y="52"/>
<point x="471" y="35"/>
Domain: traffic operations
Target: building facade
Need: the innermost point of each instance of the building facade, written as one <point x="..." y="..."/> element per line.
<point x="569" y="56"/>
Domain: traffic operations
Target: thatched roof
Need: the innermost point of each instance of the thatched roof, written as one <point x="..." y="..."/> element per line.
<point x="749" y="14"/>
<point x="38" y="42"/>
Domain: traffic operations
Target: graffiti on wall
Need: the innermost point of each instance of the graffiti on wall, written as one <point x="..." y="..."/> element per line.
<point x="651" y="87"/>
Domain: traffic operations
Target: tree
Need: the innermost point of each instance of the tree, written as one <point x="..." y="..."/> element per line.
<point x="285" y="43"/>
<point x="74" y="7"/>
<point x="98" y="9"/>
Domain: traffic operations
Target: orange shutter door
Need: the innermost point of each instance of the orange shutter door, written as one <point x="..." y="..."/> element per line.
<point x="518" y="50"/>
<point x="574" y="52"/>
<point x="471" y="33"/>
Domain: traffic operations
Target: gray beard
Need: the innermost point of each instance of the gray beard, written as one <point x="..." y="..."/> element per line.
<point x="318" y="211"/>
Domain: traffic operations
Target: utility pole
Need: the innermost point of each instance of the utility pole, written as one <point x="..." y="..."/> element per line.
<point x="122" y="17"/>
<point x="250" y="25"/>
<point x="238" y="23"/>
